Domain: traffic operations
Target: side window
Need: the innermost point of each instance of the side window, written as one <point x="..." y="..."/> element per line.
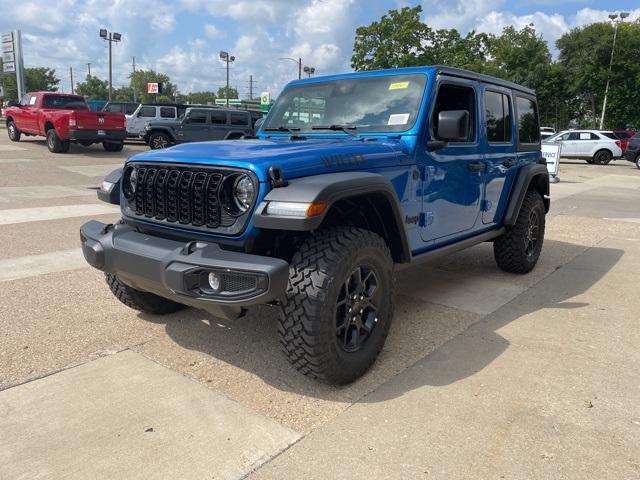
<point x="498" y="112"/>
<point x="239" y="119"/>
<point x="167" y="112"/>
<point x="528" y="128"/>
<point x="130" y="108"/>
<point x="455" y="97"/>
<point x="612" y="136"/>
<point x="198" y="117"/>
<point x="147" y="112"/>
<point x="219" y="118"/>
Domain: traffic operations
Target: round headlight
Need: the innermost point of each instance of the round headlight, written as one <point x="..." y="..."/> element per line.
<point x="243" y="192"/>
<point x="129" y="181"/>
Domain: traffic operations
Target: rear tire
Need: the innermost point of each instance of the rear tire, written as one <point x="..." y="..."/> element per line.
<point x="339" y="304"/>
<point x="14" y="133"/>
<point x="141" y="301"/>
<point x="55" y="144"/>
<point x="159" y="140"/>
<point x="518" y="249"/>
<point x="113" y="147"/>
<point x="602" y="157"/>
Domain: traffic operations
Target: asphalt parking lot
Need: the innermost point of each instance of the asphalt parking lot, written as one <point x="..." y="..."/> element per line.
<point x="484" y="374"/>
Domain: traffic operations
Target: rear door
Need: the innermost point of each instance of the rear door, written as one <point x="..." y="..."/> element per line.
<point x="240" y="122"/>
<point x="500" y="150"/>
<point x="527" y="128"/>
<point x="219" y="124"/>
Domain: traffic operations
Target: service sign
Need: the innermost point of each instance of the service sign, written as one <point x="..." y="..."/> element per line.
<point x="152" y="88"/>
<point x="6" y="37"/>
<point x="8" y="57"/>
<point x="9" y="67"/>
<point x="7" y="47"/>
<point x="551" y="153"/>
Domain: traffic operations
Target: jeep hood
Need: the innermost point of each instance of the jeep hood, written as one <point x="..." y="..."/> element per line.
<point x="297" y="158"/>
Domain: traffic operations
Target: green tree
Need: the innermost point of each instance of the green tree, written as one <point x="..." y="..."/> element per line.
<point x="585" y="54"/>
<point x="39" y="79"/>
<point x="140" y="79"/>
<point x="200" y="98"/>
<point x="233" y="92"/>
<point x="93" y="88"/>
<point x="123" y="94"/>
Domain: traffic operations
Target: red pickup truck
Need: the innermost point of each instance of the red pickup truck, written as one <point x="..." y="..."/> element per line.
<point x="63" y="119"/>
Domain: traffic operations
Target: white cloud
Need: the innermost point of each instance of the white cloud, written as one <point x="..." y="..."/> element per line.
<point x="211" y="31"/>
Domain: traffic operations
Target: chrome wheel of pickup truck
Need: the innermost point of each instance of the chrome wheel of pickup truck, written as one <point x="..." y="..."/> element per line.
<point x="14" y="133"/>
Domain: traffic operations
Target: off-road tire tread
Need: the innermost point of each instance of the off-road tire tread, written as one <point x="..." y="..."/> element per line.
<point x="112" y="147"/>
<point x="508" y="248"/>
<point x="311" y="274"/>
<point x="142" y="301"/>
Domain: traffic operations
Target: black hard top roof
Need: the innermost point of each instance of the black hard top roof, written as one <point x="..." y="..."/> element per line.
<point x="461" y="73"/>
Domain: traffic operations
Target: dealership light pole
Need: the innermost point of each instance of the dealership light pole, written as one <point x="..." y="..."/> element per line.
<point x="110" y="37"/>
<point x="298" y="61"/>
<point x="225" y="57"/>
<point x="614" y="19"/>
<point x="309" y="71"/>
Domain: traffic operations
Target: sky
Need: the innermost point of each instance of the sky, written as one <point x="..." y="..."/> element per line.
<point x="182" y="38"/>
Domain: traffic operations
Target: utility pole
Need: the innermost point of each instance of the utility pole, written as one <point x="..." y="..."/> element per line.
<point x="134" y="71"/>
<point x="71" y="74"/>
<point x="89" y="68"/>
<point x="299" y="68"/>
<point x="250" y="87"/>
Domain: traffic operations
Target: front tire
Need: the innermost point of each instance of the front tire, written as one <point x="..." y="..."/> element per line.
<point x="339" y="304"/>
<point x="141" y="301"/>
<point x="112" y="147"/>
<point x="55" y="144"/>
<point x="638" y="162"/>
<point x="518" y="249"/>
<point x="14" y="133"/>
<point x="602" y="157"/>
<point x="158" y="141"/>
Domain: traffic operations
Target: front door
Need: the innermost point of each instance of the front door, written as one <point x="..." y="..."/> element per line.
<point x="453" y="176"/>
<point x="500" y="158"/>
<point x="195" y="127"/>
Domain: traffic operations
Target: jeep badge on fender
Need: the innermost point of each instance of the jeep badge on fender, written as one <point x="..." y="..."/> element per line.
<point x="350" y="176"/>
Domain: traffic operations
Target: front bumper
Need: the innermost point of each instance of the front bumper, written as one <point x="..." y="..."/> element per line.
<point x="179" y="270"/>
<point x="97" y="135"/>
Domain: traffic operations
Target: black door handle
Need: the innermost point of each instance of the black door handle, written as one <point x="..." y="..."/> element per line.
<point x="476" y="166"/>
<point x="510" y="162"/>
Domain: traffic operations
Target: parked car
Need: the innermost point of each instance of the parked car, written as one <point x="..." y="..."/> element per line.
<point x="121" y="107"/>
<point x="594" y="146"/>
<point x="63" y="119"/>
<point x="546" y="132"/>
<point x="352" y="177"/>
<point x="632" y="153"/>
<point x="198" y="125"/>
<point x="145" y="113"/>
<point x="623" y="136"/>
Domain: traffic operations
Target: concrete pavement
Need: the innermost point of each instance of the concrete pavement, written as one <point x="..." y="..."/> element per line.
<point x="478" y="362"/>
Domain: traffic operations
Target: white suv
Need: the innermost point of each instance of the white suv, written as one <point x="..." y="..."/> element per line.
<point x="594" y="146"/>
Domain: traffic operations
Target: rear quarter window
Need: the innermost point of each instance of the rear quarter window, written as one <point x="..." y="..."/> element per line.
<point x="528" y="125"/>
<point x="610" y="135"/>
<point x="239" y="119"/>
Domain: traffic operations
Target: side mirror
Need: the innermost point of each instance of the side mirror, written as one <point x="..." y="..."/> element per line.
<point x="453" y="125"/>
<point x="12" y="103"/>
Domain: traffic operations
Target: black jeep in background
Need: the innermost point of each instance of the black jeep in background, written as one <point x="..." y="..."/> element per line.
<point x="198" y="125"/>
<point x="633" y="150"/>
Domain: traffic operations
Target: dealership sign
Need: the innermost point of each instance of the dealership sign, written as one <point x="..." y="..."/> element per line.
<point x="11" y="55"/>
<point x="153" y="88"/>
<point x="551" y="153"/>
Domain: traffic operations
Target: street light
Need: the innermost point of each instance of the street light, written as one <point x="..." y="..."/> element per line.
<point x="298" y="61"/>
<point x="110" y="37"/>
<point x="309" y="71"/>
<point x="614" y="19"/>
<point x="225" y="57"/>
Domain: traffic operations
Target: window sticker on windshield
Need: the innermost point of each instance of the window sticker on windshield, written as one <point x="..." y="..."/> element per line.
<point x="399" y="119"/>
<point x="398" y="85"/>
<point x="32" y="100"/>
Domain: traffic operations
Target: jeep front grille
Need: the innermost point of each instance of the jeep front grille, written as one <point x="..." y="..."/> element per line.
<point x="189" y="197"/>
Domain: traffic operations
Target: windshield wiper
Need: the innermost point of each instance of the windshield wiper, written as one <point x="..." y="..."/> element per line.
<point x="343" y="128"/>
<point x="292" y="130"/>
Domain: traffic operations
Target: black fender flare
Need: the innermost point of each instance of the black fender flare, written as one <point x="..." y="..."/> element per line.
<point x="330" y="188"/>
<point x="158" y="129"/>
<point x="231" y="133"/>
<point x="537" y="173"/>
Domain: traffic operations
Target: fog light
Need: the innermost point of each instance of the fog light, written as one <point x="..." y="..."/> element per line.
<point x="214" y="281"/>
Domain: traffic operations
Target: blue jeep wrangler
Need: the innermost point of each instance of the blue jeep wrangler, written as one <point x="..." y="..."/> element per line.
<point x="350" y="177"/>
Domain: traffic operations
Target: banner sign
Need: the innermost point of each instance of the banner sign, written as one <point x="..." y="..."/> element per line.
<point x="551" y="153"/>
<point x="8" y="57"/>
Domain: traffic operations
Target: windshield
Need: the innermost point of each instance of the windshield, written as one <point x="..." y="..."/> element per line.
<point x="63" y="102"/>
<point x="388" y="103"/>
